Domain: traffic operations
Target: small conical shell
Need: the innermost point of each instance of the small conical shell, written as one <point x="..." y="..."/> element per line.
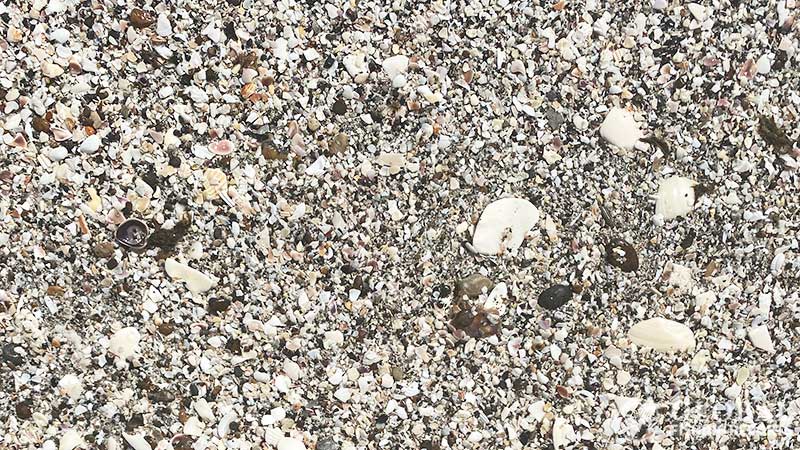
<point x="662" y="335"/>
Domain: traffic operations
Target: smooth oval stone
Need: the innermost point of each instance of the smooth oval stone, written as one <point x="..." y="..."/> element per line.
<point x="662" y="335"/>
<point x="555" y="296"/>
<point x="473" y="286"/>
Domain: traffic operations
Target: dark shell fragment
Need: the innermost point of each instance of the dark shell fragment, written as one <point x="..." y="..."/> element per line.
<point x="622" y="255"/>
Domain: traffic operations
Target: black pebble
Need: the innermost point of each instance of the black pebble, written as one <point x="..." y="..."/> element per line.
<point x="555" y="296"/>
<point x="339" y="107"/>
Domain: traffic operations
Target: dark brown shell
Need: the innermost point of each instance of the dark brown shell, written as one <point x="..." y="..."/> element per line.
<point x="628" y="261"/>
<point x="140" y="18"/>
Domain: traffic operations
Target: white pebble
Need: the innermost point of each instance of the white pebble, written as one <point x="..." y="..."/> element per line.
<point x="163" y="27"/>
<point x="57" y="154"/>
<point x="287" y="443"/>
<point x="69" y="440"/>
<point x="136" y="441"/>
<point x="71" y="386"/>
<point x="60" y="35"/>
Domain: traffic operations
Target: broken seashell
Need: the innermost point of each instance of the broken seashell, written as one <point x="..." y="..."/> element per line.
<point x="503" y="225"/>
<point x="196" y="281"/>
<point x="622" y="255"/>
<point x="132" y="234"/>
<point x="662" y="335"/>
<point x="223" y="147"/>
<point x="675" y="198"/>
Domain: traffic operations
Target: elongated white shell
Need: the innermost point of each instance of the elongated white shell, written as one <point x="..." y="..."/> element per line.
<point x="504" y="221"/>
<point x="675" y="197"/>
<point x="196" y="281"/>
<point x="662" y="335"/>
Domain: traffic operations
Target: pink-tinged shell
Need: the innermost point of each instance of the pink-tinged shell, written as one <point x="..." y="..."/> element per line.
<point x="60" y="134"/>
<point x="19" y="141"/>
<point x="748" y="69"/>
<point x="223" y="147"/>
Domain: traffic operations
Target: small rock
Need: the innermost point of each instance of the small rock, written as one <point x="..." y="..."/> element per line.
<point x="327" y="443"/>
<point x="662" y="335"/>
<point x="473" y="286"/>
<point x="626" y="404"/>
<point x="313" y="124"/>
<point x="619" y="128"/>
<point x="554" y="118"/>
<point x="124" y="343"/>
<point x="339" y="143"/>
<point x="40" y="124"/>
<point x="660" y="5"/>
<point x="339" y="107"/>
<point x="622" y="255"/>
<point x="503" y="225"/>
<point x="555" y="296"/>
<point x="675" y="197"/>
<point x="23" y="410"/>
<point x="104" y="249"/>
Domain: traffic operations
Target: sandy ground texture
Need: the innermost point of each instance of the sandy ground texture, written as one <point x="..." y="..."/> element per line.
<point x="330" y="225"/>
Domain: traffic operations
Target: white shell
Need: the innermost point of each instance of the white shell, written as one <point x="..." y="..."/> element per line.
<point x="136" y="441"/>
<point x="620" y="129"/>
<point x="514" y="214"/>
<point x="626" y="404"/>
<point x="287" y="443"/>
<point x="395" y="65"/>
<point x="662" y="335"/>
<point x="70" y="440"/>
<point x="675" y="197"/>
<point x="760" y="338"/>
<point x="124" y="342"/>
<point x="71" y="386"/>
<point x="196" y="281"/>
<point x="90" y="145"/>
